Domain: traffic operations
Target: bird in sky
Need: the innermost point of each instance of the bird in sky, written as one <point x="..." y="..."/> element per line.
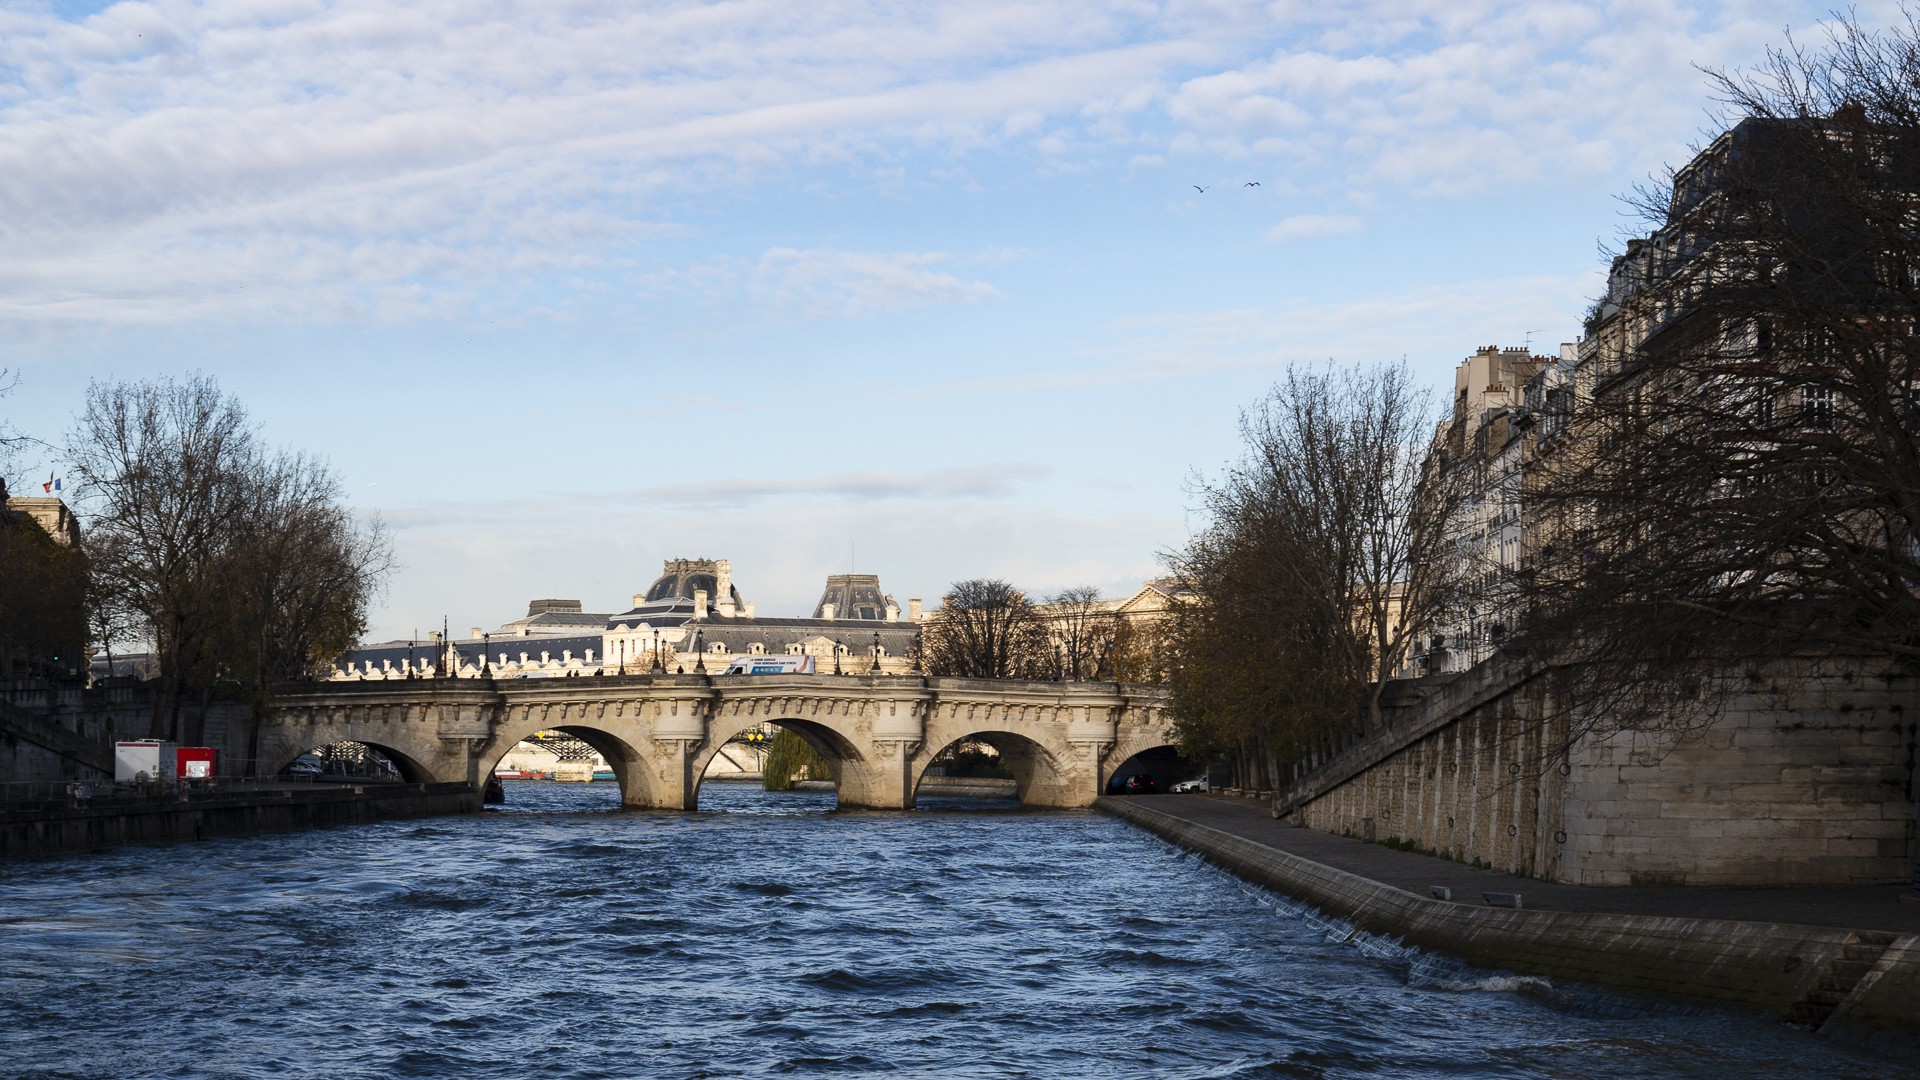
<point x="1199" y="189"/>
<point x="1251" y="183"/>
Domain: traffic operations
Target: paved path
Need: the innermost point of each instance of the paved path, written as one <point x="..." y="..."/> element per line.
<point x="1854" y="907"/>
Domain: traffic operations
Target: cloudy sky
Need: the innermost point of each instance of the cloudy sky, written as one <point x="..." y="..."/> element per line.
<point x="928" y="289"/>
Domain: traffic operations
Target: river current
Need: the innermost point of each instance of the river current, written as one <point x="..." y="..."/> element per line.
<point x="770" y="935"/>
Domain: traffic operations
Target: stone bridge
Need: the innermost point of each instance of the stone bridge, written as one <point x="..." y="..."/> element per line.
<point x="878" y="734"/>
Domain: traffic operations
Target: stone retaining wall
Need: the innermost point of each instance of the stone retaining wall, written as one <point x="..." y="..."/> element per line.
<point x="1808" y="778"/>
<point x="54" y="828"/>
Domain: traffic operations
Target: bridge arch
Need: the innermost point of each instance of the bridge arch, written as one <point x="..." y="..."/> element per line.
<point x="835" y="742"/>
<point x="632" y="768"/>
<point x="411" y="769"/>
<point x="1154" y="753"/>
<point x="1043" y="775"/>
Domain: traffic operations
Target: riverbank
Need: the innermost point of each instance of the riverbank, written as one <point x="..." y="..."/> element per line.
<point x="57" y="827"/>
<point x="1840" y="960"/>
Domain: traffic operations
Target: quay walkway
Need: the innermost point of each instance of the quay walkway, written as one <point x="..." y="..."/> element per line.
<point x="1852" y="907"/>
<point x="1838" y="959"/>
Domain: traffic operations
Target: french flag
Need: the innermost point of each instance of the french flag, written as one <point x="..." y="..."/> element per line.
<point x="52" y="485"/>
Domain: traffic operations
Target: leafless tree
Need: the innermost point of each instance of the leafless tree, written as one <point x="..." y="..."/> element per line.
<point x="1318" y="562"/>
<point x="1084" y="633"/>
<point x="236" y="559"/>
<point x="1741" y="475"/>
<point x="986" y="629"/>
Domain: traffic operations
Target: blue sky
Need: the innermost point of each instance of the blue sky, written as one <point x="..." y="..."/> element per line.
<point x="563" y="289"/>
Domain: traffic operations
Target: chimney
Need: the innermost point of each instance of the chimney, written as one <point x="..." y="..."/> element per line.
<point x="893" y="612"/>
<point x="827" y="610"/>
<point x="639" y="598"/>
<point x="724" y="604"/>
<point x="913" y="611"/>
<point x="476" y="633"/>
<point x="433" y="636"/>
<point x="699" y="603"/>
<point x="723" y="583"/>
<point x="749" y="609"/>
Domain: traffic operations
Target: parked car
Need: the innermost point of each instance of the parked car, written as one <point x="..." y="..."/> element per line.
<point x="1141" y="784"/>
<point x="1198" y="783"/>
<point x="306" y="766"/>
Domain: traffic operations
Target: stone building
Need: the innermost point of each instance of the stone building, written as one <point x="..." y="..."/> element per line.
<point x="692" y="618"/>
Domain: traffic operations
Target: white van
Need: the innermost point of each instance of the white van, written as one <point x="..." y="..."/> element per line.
<point x="771" y="665"/>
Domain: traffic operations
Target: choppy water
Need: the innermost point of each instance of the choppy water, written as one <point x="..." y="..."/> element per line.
<point x="769" y="935"/>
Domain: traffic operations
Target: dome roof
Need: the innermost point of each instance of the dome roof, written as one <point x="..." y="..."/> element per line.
<point x="680" y="577"/>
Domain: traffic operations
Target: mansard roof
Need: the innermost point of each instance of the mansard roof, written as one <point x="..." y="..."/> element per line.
<point x="853" y="596"/>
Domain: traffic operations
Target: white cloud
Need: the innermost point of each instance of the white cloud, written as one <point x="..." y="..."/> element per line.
<point x="1303" y="225"/>
<point x="860" y="283"/>
<point x="315" y="160"/>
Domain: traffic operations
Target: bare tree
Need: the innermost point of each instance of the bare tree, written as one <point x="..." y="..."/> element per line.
<point x="986" y="629"/>
<point x="1084" y="633"/>
<point x="1319" y="560"/>
<point x="1741" y="474"/>
<point x="161" y="468"/>
<point x="236" y="560"/>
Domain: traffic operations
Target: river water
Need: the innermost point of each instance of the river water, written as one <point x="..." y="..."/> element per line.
<point x="769" y="935"/>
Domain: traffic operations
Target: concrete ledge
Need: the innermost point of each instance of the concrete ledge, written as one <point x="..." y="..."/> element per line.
<point x="44" y="829"/>
<point x="1769" y="966"/>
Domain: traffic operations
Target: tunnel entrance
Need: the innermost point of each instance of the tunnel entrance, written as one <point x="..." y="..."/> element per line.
<point x="1162" y="767"/>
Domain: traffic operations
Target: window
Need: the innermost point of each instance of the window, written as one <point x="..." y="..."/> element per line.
<point x="1816" y="407"/>
<point x="866" y="613"/>
<point x="757" y="648"/>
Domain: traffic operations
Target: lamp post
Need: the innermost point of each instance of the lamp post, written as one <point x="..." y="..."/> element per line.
<point x="699" y="655"/>
<point x="410" y="645"/>
<point x="656" y="650"/>
<point x="486" y="656"/>
<point x="838" y="648"/>
<point x="876" y="653"/>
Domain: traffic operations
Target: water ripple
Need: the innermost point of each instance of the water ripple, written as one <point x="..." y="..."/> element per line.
<point x="771" y="935"/>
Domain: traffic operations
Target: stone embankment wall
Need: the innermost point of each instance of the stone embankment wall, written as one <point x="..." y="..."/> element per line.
<point x="57" y="827"/>
<point x="1808" y="778"/>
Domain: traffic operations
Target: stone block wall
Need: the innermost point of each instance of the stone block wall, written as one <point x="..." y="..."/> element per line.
<point x="42" y="719"/>
<point x="1808" y="778"/>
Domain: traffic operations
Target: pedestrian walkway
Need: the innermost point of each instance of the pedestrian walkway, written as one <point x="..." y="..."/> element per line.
<point x="1853" y="907"/>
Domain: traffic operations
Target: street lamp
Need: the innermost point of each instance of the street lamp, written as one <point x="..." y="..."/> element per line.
<point x="838" y="648"/>
<point x="486" y="656"/>
<point x="876" y="652"/>
<point x="699" y="655"/>
<point x="656" y="650"/>
<point x="410" y="646"/>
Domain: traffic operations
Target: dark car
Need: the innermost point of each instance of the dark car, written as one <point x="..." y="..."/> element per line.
<point x="1141" y="784"/>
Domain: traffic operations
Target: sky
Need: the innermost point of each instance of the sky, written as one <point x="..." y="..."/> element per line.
<point x="930" y="290"/>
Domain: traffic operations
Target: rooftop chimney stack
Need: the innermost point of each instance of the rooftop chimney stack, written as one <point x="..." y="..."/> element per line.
<point x="913" y="610"/>
<point x="699" y="603"/>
